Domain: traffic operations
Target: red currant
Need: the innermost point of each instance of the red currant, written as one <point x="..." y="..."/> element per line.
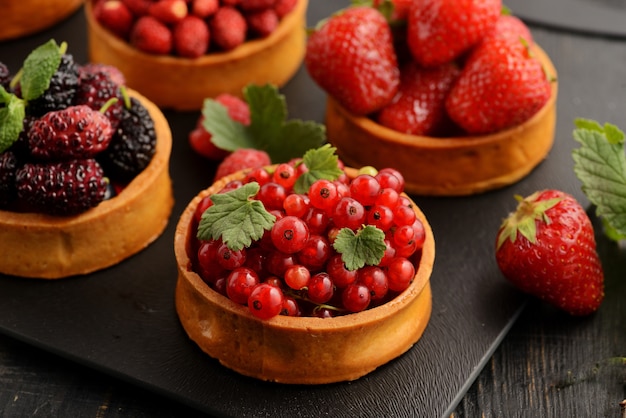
<point x="230" y="259"/>
<point x="338" y="272"/>
<point x="390" y="177"/>
<point x="272" y="195"/>
<point x="290" y="307"/>
<point x="290" y="234"/>
<point x="320" y="288"/>
<point x="296" y="204"/>
<point x="259" y="175"/>
<point x="355" y="297"/>
<point x="380" y="217"/>
<point x="265" y="301"/>
<point x="349" y="213"/>
<point x="285" y="175"/>
<point x="239" y="284"/>
<point x="297" y="276"/>
<point x="323" y="194"/>
<point x="315" y="252"/>
<point x="375" y="279"/>
<point x="365" y="189"/>
<point x="400" y="273"/>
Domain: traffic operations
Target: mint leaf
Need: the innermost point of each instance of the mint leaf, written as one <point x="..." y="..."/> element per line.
<point x="236" y="218"/>
<point x="226" y="133"/>
<point x="39" y="67"/>
<point x="11" y="119"/>
<point x="366" y="246"/>
<point x="600" y="164"/>
<point x="322" y="163"/>
<point x="269" y="129"/>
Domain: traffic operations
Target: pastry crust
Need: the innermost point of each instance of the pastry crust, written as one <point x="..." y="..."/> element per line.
<point x="447" y="166"/>
<point x="299" y="350"/>
<point x="51" y="247"/>
<point x="25" y="17"/>
<point x="183" y="84"/>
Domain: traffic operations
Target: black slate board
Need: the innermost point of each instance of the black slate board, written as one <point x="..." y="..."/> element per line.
<point x="122" y="321"/>
<point x="596" y="17"/>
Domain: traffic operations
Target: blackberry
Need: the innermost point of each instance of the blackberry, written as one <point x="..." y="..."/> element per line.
<point x="96" y="87"/>
<point x="61" y="188"/>
<point x="5" y="76"/>
<point x="60" y="94"/>
<point x="133" y="144"/>
<point x="8" y="168"/>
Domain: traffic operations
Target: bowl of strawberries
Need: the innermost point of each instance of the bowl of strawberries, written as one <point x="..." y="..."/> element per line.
<point x="456" y="95"/>
<point x="178" y="52"/>
<point x="304" y="272"/>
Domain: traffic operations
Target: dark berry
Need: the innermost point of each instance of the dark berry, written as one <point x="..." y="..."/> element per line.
<point x="74" y="132"/>
<point x="8" y="168"/>
<point x="60" y="94"/>
<point x="61" y="188"/>
<point x="96" y="88"/>
<point x="5" y="76"/>
<point x="133" y="144"/>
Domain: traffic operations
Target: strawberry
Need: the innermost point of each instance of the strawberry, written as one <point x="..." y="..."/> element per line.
<point x="240" y="159"/>
<point x="151" y="36"/>
<point x="204" y="8"/>
<point x="228" y="28"/>
<point x="200" y="138"/>
<point x="262" y="23"/>
<point x="419" y="106"/>
<point x="509" y="26"/>
<point x="256" y="5"/>
<point x="400" y="8"/>
<point x="138" y="7"/>
<point x="352" y="58"/>
<point x="501" y="85"/>
<point x="169" y="11"/>
<point x="547" y="249"/>
<point x="75" y="132"/>
<point x="283" y="7"/>
<point x="115" y="16"/>
<point x="439" y="31"/>
<point x="191" y="37"/>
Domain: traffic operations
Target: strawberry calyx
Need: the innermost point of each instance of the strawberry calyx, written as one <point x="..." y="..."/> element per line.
<point x="522" y="221"/>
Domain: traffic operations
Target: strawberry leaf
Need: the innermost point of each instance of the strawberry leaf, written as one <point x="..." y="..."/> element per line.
<point x="235" y="218"/>
<point x="600" y="164"/>
<point x="366" y="246"/>
<point x="11" y="119"/>
<point x="269" y="129"/>
<point x="322" y="163"/>
<point x="38" y="69"/>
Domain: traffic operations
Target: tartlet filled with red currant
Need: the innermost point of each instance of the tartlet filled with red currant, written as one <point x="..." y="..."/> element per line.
<point x="177" y="52"/>
<point x="305" y="272"/>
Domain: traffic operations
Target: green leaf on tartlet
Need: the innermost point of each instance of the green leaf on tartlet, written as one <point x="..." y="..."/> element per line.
<point x="364" y="247"/>
<point x="600" y="165"/>
<point x="11" y="119"/>
<point x="38" y="69"/>
<point x="236" y="218"/>
<point x="269" y="128"/>
<point x="322" y="163"/>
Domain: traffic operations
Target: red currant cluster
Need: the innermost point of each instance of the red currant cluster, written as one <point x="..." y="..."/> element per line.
<point x="294" y="269"/>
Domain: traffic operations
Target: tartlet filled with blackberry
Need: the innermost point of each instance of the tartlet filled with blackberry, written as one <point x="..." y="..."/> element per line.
<point x="177" y="54"/>
<point x="84" y="164"/>
<point x="311" y="273"/>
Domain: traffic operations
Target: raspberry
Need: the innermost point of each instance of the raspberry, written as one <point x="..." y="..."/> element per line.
<point x="96" y="88"/>
<point x="75" y="132"/>
<point x="262" y="23"/>
<point x="238" y="109"/>
<point x="61" y="188"/>
<point x="228" y="28"/>
<point x="240" y="159"/>
<point x="151" y="36"/>
<point x="191" y="37"/>
<point x="60" y="94"/>
<point x="113" y="72"/>
<point x="115" y="16"/>
<point x="133" y="144"/>
<point x="8" y="168"/>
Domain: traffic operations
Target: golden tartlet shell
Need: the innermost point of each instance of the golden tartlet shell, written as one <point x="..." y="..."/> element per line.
<point x="25" y="17"/>
<point x="183" y="83"/>
<point x="298" y="350"/>
<point x="447" y="166"/>
<point x="51" y="247"/>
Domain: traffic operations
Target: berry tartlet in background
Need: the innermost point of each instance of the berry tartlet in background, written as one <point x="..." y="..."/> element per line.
<point x="84" y="168"/>
<point x="26" y="17"/>
<point x="177" y="53"/>
<point x="459" y="107"/>
<point x="304" y="272"/>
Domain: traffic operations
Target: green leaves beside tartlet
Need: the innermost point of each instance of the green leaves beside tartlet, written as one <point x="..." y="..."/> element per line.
<point x="269" y="128"/>
<point x="34" y="78"/>
<point x="600" y="164"/>
<point x="238" y="219"/>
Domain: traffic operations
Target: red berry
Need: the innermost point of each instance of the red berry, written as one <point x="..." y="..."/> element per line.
<point x="356" y="297"/>
<point x="115" y="16"/>
<point x="376" y="281"/>
<point x="169" y="11"/>
<point x="191" y="37"/>
<point x="262" y="23"/>
<point x="320" y="289"/>
<point x="265" y="301"/>
<point x="297" y="276"/>
<point x="204" y="8"/>
<point x="239" y="284"/>
<point x="290" y="234"/>
<point x="138" y="7"/>
<point x="315" y="252"/>
<point x="400" y="273"/>
<point x="240" y="159"/>
<point x="283" y="7"/>
<point x="228" y="28"/>
<point x="151" y="36"/>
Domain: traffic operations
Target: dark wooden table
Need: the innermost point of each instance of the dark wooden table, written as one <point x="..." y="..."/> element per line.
<point x="549" y="365"/>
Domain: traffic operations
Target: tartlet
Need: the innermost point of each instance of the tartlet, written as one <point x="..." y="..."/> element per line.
<point x="51" y="247"/>
<point x="298" y="350"/>
<point x="183" y="83"/>
<point x="461" y="165"/>
<point x="25" y="17"/>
